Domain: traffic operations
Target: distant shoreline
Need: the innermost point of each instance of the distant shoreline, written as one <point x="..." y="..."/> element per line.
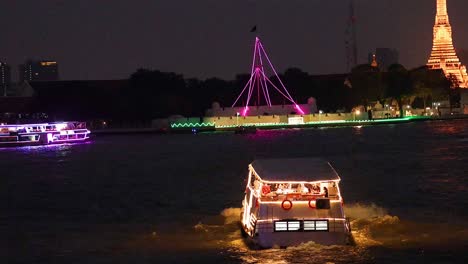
<point x="196" y="129"/>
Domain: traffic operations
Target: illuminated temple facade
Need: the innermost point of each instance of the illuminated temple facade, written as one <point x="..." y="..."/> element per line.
<point x="443" y="55"/>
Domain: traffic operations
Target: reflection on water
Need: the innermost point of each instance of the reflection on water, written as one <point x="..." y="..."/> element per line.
<point x="158" y="198"/>
<point x="373" y="229"/>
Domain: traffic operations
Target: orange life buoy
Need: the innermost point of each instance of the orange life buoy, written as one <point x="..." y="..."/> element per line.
<point x="288" y="206"/>
<point x="312" y="205"/>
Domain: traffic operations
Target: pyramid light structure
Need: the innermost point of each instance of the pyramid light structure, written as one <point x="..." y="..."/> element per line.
<point x="443" y="55"/>
<point x="259" y="84"/>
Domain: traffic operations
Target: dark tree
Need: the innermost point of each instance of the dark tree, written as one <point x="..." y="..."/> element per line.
<point x="399" y="85"/>
<point x="367" y="84"/>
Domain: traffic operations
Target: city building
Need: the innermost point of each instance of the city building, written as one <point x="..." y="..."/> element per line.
<point x="5" y="78"/>
<point x="443" y="55"/>
<point x="43" y="70"/>
<point x="384" y="57"/>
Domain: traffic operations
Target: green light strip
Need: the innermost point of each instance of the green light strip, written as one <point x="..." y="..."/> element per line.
<point x="186" y="125"/>
<point x="307" y="124"/>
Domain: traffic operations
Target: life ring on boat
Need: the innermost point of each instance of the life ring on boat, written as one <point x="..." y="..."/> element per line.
<point x="286" y="205"/>
<point x="312" y="205"/>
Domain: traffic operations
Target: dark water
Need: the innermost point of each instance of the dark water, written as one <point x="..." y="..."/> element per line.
<point x="176" y="198"/>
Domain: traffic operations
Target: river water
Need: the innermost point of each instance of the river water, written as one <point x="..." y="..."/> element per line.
<point x="177" y="198"/>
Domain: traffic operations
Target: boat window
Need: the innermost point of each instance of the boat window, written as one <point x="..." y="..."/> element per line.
<point x="309" y="225"/>
<point x="294" y="225"/>
<point x="281" y="226"/>
<point x="332" y="189"/>
<point x="321" y="225"/>
<point x="301" y="226"/>
<point x="252" y="179"/>
<point x="316" y="225"/>
<point x="287" y="226"/>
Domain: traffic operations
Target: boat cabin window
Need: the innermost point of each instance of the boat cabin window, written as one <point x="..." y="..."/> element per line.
<point x="254" y="181"/>
<point x="296" y="190"/>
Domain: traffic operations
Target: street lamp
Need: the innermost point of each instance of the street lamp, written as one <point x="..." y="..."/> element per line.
<point x="320" y="115"/>
<point x="237" y="118"/>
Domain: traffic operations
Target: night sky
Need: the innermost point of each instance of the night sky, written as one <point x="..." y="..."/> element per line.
<point x="110" y="39"/>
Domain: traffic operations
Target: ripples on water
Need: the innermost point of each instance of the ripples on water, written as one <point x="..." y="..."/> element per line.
<point x="154" y="199"/>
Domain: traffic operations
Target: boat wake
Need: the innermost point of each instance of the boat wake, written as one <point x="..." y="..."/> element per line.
<point x="378" y="236"/>
<point x="372" y="229"/>
<point x="373" y="226"/>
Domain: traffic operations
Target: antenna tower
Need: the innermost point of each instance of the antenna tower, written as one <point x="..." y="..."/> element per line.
<point x="351" y="39"/>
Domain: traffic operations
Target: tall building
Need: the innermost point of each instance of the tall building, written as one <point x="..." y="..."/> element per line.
<point x="44" y="70"/>
<point x="384" y="57"/>
<point x="443" y="55"/>
<point x="5" y="78"/>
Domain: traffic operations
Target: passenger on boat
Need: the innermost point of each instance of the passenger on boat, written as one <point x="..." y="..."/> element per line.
<point x="333" y="191"/>
<point x="280" y="189"/>
<point x="302" y="189"/>
<point x="315" y="189"/>
<point x="256" y="186"/>
<point x="284" y="189"/>
<point x="325" y="190"/>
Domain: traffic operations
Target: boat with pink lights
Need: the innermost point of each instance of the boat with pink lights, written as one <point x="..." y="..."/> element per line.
<point x="43" y="134"/>
<point x="292" y="201"/>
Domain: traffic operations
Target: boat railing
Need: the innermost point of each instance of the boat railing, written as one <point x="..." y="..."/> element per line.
<point x="297" y="196"/>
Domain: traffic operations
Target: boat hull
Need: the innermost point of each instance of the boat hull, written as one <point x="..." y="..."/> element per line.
<point x="18" y="135"/>
<point x="269" y="240"/>
<point x="265" y="240"/>
<point x="13" y="144"/>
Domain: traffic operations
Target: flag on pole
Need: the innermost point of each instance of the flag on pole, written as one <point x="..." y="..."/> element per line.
<point x="254" y="29"/>
<point x="347" y="83"/>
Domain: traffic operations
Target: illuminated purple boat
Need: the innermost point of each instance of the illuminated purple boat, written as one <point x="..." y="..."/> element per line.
<point x="292" y="201"/>
<point x="43" y="134"/>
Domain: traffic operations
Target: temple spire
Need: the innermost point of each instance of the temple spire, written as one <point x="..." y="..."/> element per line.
<point x="443" y="55"/>
<point x="442" y="15"/>
<point x="374" y="61"/>
<point x="441" y="7"/>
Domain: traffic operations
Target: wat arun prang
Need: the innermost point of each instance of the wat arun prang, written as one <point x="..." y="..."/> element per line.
<point x="443" y="55"/>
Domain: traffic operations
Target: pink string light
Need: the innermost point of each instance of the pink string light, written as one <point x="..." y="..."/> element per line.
<point x="259" y="81"/>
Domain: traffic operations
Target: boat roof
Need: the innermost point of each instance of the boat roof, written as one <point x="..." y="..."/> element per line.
<point x="298" y="169"/>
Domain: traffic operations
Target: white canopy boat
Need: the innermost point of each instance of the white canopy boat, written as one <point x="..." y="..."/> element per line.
<point x="292" y="201"/>
<point x="43" y="134"/>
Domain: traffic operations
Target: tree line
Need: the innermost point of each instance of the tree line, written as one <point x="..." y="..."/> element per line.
<point x="150" y="94"/>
